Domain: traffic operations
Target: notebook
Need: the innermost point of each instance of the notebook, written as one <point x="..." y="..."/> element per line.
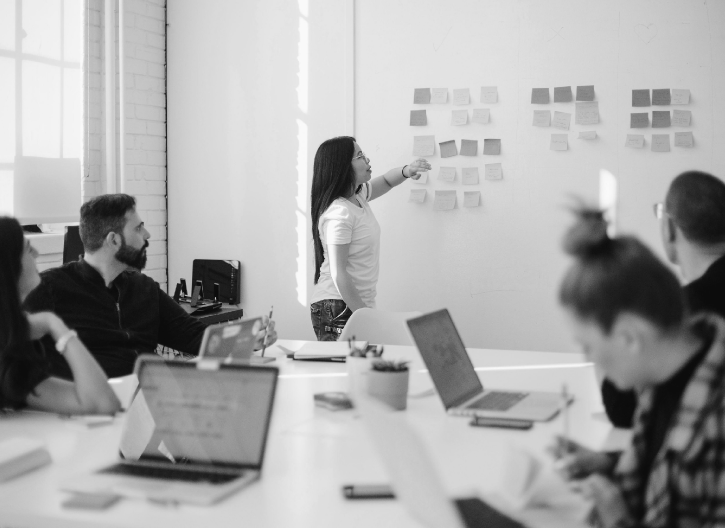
<point x="456" y="381"/>
<point x="328" y="350"/>
<point x="195" y="433"/>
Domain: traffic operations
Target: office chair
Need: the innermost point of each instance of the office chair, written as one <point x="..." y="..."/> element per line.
<point x="72" y="245"/>
<point x="380" y="328"/>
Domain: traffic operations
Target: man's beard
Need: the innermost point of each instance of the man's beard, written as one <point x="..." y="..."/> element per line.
<point x="135" y="258"/>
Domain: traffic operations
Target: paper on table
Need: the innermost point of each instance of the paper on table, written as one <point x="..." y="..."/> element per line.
<point x="481" y="115"/>
<point x="680" y="96"/>
<point x="327" y="349"/>
<point x="447" y="174"/>
<point x="423" y="178"/>
<point x="461" y="96"/>
<point x="444" y="200"/>
<point x="681" y="118"/>
<point x="459" y="117"/>
<point x="492" y="147"/>
<point x="417" y="196"/>
<point x="585" y="93"/>
<point x="418" y="118"/>
<point x="661" y="96"/>
<point x="684" y="139"/>
<point x="634" y="141"/>
<point x="469" y="147"/>
<point x="542" y="118"/>
<point x="660" y="142"/>
<point x="559" y="142"/>
<point x="470" y="176"/>
<point x="562" y="94"/>
<point x="439" y="95"/>
<point x="539" y="96"/>
<point x="138" y="429"/>
<point x="448" y="149"/>
<point x="421" y="96"/>
<point x="640" y="97"/>
<point x="489" y="94"/>
<point x="639" y="120"/>
<point x="561" y="120"/>
<point x="424" y="145"/>
<point x="587" y="113"/>
<point x="660" y="118"/>
<point x="494" y="171"/>
<point x="471" y="198"/>
<point x="589" y="134"/>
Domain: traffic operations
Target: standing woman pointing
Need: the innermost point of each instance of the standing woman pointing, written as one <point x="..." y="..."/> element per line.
<point x="345" y="232"/>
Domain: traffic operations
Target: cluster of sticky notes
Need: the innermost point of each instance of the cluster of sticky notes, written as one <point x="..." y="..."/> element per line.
<point x="448" y="149"/>
<point x="446" y="200"/>
<point x="660" y="118"/>
<point x="461" y="96"/>
<point x="586" y="112"/>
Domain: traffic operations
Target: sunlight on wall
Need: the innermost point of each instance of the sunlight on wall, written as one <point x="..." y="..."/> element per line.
<point x="608" y="199"/>
<point x="303" y="51"/>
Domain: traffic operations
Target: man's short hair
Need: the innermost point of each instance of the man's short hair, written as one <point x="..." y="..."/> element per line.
<point x="696" y="204"/>
<point x="102" y="215"/>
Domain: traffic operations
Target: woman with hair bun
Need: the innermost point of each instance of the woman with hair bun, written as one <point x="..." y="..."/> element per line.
<point x="627" y="311"/>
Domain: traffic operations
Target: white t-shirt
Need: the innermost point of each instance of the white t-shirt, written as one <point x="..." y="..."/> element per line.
<point x="346" y="223"/>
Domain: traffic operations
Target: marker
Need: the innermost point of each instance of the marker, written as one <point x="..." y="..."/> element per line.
<point x="266" y="330"/>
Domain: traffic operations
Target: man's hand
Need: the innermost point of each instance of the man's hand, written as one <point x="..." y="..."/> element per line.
<point x="608" y="501"/>
<point x="270" y="331"/>
<point x="576" y="461"/>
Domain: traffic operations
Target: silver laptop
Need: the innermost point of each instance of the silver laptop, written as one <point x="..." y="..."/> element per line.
<point x="458" y="384"/>
<point x="195" y="433"/>
<point x="230" y="341"/>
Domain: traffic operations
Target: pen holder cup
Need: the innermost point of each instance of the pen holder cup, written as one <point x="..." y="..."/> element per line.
<point x="357" y="374"/>
<point x="389" y="387"/>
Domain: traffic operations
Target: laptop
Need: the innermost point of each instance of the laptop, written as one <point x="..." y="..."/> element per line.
<point x="458" y="384"/>
<point x="415" y="480"/>
<point x="195" y="433"/>
<point x="230" y="341"/>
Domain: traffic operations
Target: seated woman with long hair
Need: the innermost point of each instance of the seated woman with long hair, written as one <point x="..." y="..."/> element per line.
<point x="24" y="378"/>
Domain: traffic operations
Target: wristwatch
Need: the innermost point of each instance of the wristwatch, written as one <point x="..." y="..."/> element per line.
<point x="62" y="342"/>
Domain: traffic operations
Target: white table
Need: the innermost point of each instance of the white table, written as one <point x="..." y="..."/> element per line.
<point x="312" y="452"/>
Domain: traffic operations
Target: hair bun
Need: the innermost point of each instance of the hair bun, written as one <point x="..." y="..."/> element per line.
<point x="588" y="235"/>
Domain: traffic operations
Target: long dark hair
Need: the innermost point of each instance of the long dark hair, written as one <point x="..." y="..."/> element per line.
<point x="615" y="275"/>
<point x="19" y="359"/>
<point x="332" y="178"/>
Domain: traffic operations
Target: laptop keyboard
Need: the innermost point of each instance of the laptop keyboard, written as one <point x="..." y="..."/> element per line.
<point x="170" y="474"/>
<point x="498" y="401"/>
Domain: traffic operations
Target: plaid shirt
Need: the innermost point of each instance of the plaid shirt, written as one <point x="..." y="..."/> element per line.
<point x="686" y="485"/>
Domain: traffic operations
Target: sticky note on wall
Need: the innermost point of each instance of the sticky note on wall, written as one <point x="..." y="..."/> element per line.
<point x="481" y="115"/>
<point x="444" y="200"/>
<point x="471" y="198"/>
<point x="421" y="96"/>
<point x="587" y="113"/>
<point x="680" y="96"/>
<point x="489" y="94"/>
<point x="684" y="139"/>
<point x="418" y="118"/>
<point x="561" y="120"/>
<point x="417" y="196"/>
<point x="681" y="118"/>
<point x="585" y="93"/>
<point x="539" y="96"/>
<point x="660" y="118"/>
<point x="559" y="142"/>
<point x="461" y="96"/>
<point x="459" y="117"/>
<point x="492" y="147"/>
<point x="639" y="120"/>
<point x="634" y="141"/>
<point x="439" y="95"/>
<point x="542" y="118"/>
<point x="470" y="176"/>
<point x="660" y="142"/>
<point x="469" y="147"/>
<point x="447" y="174"/>
<point x="424" y="145"/>
<point x="640" y="97"/>
<point x="661" y="96"/>
<point x="448" y="149"/>
<point x="494" y="171"/>
<point x="562" y="94"/>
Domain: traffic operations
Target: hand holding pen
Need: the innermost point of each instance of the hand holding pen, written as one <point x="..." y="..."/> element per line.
<point x="266" y="330"/>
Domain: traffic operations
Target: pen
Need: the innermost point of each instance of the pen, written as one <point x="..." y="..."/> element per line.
<point x="266" y="330"/>
<point x="565" y="411"/>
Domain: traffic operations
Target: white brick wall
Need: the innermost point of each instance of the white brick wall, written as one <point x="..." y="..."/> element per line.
<point x="145" y="92"/>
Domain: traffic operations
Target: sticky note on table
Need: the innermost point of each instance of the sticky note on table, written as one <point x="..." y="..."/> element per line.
<point x="585" y="93"/>
<point x="559" y="142"/>
<point x="589" y="134"/>
<point x="421" y="179"/>
<point x="587" y="113"/>
<point x="447" y="174"/>
<point x="459" y="117"/>
<point x="491" y="147"/>
<point x="461" y="96"/>
<point x="561" y="120"/>
<point x="439" y="95"/>
<point x="471" y="198"/>
<point x="639" y="120"/>
<point x="681" y="118"/>
<point x="448" y="149"/>
<point x="444" y="200"/>
<point x="421" y="96"/>
<point x="481" y="115"/>
<point x="634" y="141"/>
<point x="542" y="118"/>
<point x="418" y="118"/>
<point x="640" y="97"/>
<point x="680" y="96"/>
<point x="562" y="94"/>
<point x="660" y="118"/>
<point x="660" y="142"/>
<point x="661" y="96"/>
<point x="417" y="196"/>
<point x="424" y="145"/>
<point x="469" y="147"/>
<point x="684" y="139"/>
<point x="469" y="176"/>
<point x="489" y="94"/>
<point x="493" y="171"/>
<point x="539" y="96"/>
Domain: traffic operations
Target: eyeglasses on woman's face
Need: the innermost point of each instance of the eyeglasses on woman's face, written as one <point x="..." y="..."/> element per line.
<point x="659" y="210"/>
<point x="361" y="155"/>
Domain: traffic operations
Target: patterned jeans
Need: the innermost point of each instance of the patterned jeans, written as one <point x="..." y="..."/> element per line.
<point x="328" y="318"/>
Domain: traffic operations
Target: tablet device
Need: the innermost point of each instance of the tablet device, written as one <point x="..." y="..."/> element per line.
<point x="233" y="341"/>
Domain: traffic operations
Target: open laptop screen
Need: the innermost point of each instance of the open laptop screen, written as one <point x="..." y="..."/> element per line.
<point x="191" y="415"/>
<point x="446" y="358"/>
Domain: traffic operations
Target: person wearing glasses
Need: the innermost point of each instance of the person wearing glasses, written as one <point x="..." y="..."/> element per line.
<point x="692" y="225"/>
<point x="345" y="233"/>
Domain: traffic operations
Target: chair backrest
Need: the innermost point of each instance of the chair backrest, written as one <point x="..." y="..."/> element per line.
<point x="72" y="245"/>
<point x="380" y="328"/>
